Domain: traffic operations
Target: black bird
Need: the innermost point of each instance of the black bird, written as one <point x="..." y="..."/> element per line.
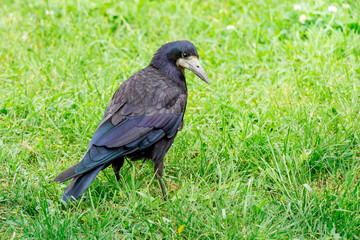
<point x="141" y="120"/>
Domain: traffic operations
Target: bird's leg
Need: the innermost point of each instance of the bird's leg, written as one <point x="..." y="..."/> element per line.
<point x="117" y="164"/>
<point x="162" y="186"/>
<point x="117" y="175"/>
<point x="158" y="173"/>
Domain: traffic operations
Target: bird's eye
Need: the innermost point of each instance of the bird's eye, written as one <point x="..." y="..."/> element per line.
<point x="184" y="54"/>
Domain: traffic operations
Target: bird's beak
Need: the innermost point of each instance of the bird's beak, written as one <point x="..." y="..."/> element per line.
<point x="192" y="63"/>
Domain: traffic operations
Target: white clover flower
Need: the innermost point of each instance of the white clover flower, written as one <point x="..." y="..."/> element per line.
<point x="302" y="18"/>
<point x="24" y="36"/>
<point x="346" y="6"/>
<point x="230" y="27"/>
<point x="332" y="9"/>
<point x="49" y="12"/>
<point x="297" y="7"/>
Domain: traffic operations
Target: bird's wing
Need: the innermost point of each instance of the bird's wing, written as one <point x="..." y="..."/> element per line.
<point x="130" y="128"/>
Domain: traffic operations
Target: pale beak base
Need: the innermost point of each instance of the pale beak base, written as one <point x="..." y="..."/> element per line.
<point x="192" y="63"/>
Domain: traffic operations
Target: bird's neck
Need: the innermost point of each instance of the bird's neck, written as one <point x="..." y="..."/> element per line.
<point x="171" y="71"/>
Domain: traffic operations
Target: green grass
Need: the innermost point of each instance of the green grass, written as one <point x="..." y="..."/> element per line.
<point x="270" y="149"/>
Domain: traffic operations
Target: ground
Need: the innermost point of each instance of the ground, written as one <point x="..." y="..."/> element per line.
<point x="270" y="149"/>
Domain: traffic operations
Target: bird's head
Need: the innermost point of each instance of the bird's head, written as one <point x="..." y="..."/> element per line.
<point x="180" y="54"/>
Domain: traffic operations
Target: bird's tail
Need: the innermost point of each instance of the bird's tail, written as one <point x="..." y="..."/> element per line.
<point x="67" y="174"/>
<point x="79" y="183"/>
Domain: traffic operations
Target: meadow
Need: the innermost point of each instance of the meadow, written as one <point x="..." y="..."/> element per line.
<point x="269" y="150"/>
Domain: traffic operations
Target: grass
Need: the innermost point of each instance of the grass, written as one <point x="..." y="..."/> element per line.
<point x="270" y="149"/>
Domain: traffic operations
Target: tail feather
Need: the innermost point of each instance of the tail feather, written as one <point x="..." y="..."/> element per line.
<point x="79" y="184"/>
<point x="66" y="175"/>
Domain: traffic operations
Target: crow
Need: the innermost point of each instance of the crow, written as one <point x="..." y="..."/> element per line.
<point x="141" y="120"/>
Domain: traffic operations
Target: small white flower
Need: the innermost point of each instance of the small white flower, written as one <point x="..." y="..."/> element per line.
<point x="230" y="27"/>
<point x="223" y="212"/>
<point x="166" y="220"/>
<point x="332" y="9"/>
<point x="49" y="12"/>
<point x="24" y="37"/>
<point x="346" y="6"/>
<point x="302" y="18"/>
<point x="297" y="7"/>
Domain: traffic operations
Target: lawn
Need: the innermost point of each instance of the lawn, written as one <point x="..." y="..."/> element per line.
<point x="270" y="149"/>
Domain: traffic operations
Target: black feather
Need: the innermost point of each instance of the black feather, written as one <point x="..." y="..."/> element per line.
<point x="66" y="175"/>
<point x="79" y="184"/>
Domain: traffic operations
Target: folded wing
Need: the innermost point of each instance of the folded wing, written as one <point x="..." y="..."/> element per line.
<point x="132" y="134"/>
